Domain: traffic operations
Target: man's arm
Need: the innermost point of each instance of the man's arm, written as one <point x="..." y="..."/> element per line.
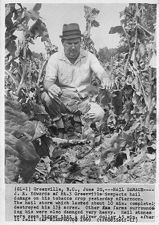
<point x="104" y="76"/>
<point x="51" y="77"/>
<point x="51" y="73"/>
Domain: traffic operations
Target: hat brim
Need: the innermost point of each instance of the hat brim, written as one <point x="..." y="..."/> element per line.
<point x="71" y="36"/>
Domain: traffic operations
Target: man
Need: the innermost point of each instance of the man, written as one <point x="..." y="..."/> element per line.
<point x="68" y="74"/>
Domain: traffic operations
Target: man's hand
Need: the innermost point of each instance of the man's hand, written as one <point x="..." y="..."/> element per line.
<point x="107" y="83"/>
<point x="72" y="106"/>
<point x="54" y="90"/>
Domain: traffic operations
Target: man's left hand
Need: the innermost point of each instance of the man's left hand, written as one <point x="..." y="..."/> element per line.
<point x="107" y="83"/>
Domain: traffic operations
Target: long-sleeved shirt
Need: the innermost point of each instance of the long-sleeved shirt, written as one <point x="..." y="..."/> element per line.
<point x="74" y="77"/>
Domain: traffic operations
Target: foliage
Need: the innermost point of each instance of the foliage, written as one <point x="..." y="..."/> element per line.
<point x="138" y="73"/>
<point x="21" y="65"/>
<point x="135" y="78"/>
<point x="106" y="54"/>
<point x="90" y="16"/>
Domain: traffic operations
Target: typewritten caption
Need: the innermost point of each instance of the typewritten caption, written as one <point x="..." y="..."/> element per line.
<point x="82" y="203"/>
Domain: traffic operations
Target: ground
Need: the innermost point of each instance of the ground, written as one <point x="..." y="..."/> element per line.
<point x="36" y="155"/>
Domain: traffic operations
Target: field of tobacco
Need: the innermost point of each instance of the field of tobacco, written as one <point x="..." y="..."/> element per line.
<point x="121" y="149"/>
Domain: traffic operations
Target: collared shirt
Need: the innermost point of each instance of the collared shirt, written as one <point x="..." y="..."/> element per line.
<point x="74" y="77"/>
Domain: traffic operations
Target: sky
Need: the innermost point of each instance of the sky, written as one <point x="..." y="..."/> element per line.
<point x="55" y="15"/>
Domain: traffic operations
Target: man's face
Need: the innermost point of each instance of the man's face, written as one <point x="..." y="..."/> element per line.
<point x="72" y="48"/>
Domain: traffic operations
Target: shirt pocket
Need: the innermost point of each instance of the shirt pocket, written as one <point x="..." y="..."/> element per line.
<point x="84" y="72"/>
<point x="64" y="78"/>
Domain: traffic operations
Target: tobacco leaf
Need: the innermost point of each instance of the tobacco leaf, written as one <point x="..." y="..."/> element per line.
<point x="117" y="29"/>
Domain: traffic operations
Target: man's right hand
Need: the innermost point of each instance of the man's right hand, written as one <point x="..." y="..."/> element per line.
<point x="54" y="90"/>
